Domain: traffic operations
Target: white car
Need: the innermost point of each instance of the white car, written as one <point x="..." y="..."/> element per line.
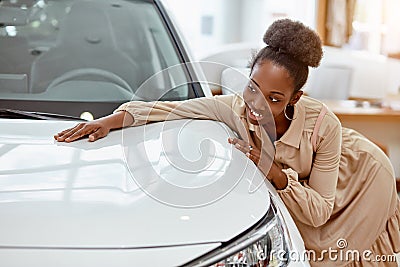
<point x="171" y="193"/>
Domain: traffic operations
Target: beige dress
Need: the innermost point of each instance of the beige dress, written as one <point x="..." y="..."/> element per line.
<point x="343" y="197"/>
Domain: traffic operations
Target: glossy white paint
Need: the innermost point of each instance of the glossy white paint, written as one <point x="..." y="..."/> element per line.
<point x="141" y="257"/>
<point x="84" y="195"/>
<point x="172" y="189"/>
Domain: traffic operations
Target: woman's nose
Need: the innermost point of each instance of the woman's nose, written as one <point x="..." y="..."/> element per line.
<point x="259" y="103"/>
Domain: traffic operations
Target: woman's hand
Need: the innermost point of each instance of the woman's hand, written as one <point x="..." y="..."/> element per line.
<point x="95" y="129"/>
<point x="251" y="152"/>
<point x="271" y="170"/>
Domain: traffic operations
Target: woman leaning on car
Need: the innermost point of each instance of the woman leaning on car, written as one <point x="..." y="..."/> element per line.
<point x="342" y="188"/>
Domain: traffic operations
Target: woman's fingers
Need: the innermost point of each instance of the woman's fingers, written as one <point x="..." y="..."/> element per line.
<point x="95" y="130"/>
<point x="61" y="136"/>
<point x="240" y="144"/>
<point x="79" y="133"/>
<point x="99" y="133"/>
<point x="62" y="133"/>
<point x="74" y="133"/>
<point x="254" y="158"/>
<point x="251" y="152"/>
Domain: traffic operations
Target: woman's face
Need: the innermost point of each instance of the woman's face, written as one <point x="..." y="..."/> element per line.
<point x="270" y="89"/>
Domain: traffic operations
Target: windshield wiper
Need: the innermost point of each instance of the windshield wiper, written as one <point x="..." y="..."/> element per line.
<point x="21" y="114"/>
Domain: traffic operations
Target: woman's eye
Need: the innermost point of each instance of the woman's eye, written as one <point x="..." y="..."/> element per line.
<point x="274" y="99"/>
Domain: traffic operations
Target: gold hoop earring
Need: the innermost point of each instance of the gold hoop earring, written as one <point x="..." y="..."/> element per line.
<point x="286" y="116"/>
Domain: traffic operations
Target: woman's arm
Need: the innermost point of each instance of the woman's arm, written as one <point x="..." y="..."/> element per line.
<point x="135" y="113"/>
<point x="277" y="177"/>
<point x="312" y="204"/>
<point x="220" y="108"/>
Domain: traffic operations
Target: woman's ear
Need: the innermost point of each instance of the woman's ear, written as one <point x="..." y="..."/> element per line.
<point x="296" y="97"/>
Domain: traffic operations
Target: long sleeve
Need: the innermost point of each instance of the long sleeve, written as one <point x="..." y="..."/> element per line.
<point x="227" y="109"/>
<point x="312" y="204"/>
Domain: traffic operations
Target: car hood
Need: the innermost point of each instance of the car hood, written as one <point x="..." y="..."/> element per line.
<point x="163" y="184"/>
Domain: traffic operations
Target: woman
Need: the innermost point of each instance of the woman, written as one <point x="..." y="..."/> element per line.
<point x="340" y="192"/>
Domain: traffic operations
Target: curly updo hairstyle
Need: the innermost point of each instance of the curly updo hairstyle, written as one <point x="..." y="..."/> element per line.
<point x="292" y="45"/>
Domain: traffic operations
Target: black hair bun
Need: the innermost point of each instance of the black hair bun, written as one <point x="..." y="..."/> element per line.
<point x="295" y="39"/>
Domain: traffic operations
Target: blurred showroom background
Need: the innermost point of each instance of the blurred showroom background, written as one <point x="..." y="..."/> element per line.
<point x="361" y="64"/>
<point x="366" y="25"/>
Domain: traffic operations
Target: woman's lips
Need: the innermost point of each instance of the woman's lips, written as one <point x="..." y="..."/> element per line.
<point x="254" y="115"/>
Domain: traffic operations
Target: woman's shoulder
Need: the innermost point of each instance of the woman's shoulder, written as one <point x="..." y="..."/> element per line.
<point x="312" y="108"/>
<point x="311" y="105"/>
<point x="233" y="100"/>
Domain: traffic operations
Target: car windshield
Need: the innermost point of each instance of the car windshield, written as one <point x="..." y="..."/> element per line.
<point x="70" y="57"/>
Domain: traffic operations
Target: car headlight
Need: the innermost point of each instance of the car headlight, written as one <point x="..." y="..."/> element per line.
<point x="265" y="245"/>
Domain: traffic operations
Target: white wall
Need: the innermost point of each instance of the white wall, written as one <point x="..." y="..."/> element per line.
<point x="372" y="75"/>
<point x="234" y="21"/>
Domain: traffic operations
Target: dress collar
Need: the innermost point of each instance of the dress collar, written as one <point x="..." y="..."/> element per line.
<point x="294" y="133"/>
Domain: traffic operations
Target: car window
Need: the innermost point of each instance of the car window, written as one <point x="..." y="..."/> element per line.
<point x="95" y="51"/>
